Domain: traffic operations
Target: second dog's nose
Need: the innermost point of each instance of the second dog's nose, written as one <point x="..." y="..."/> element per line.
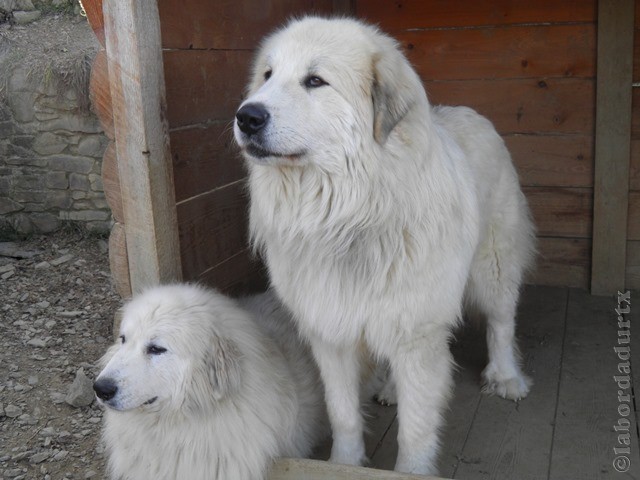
<point x="252" y="118"/>
<point x="105" y="389"/>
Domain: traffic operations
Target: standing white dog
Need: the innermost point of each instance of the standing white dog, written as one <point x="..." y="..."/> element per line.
<point x="198" y="389"/>
<point x="379" y="218"/>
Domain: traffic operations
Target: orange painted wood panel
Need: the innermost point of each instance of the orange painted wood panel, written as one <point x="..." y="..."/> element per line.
<point x="228" y="24"/>
<point x="408" y="14"/>
<point x="100" y="93"/>
<point x="204" y="86"/>
<point x="204" y="158"/>
<point x="561" y="212"/>
<point x="213" y="227"/>
<point x="93" y="9"/>
<point x="502" y="52"/>
<point x="524" y="105"/>
<point x="552" y="160"/>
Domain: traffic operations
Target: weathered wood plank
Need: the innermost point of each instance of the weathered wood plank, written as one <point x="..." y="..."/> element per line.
<point x="408" y="14"/>
<point x="561" y="212"/>
<point x="93" y="9"/>
<point x="513" y="440"/>
<point x="587" y="401"/>
<point x="135" y="67"/>
<point x="300" y="469"/>
<point x="634" y="164"/>
<point x="119" y="260"/>
<point x="563" y="262"/>
<point x="632" y="276"/>
<point x="204" y="85"/>
<point x="612" y="145"/>
<point x="239" y="274"/>
<point x="204" y="158"/>
<point x="502" y="52"/>
<point x="111" y="182"/>
<point x="213" y="227"/>
<point x="633" y="216"/>
<point x="552" y="160"/>
<point x="228" y="24"/>
<point x="100" y="93"/>
<point x="524" y="106"/>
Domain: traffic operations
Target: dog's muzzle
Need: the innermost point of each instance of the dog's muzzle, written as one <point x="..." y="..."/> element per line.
<point x="105" y="389"/>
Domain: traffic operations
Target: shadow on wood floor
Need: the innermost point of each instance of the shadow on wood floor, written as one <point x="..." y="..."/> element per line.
<point x="564" y="429"/>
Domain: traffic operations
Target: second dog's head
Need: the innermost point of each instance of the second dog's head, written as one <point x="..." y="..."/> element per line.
<point x="175" y="351"/>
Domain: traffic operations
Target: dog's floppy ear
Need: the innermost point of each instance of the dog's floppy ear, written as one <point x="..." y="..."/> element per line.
<point x="396" y="88"/>
<point x="223" y="367"/>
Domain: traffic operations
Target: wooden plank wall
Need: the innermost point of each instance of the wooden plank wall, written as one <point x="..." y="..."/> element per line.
<point x="530" y="68"/>
<point x="208" y="48"/>
<point x="633" y="228"/>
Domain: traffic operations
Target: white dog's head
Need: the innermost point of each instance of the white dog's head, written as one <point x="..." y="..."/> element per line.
<point x="175" y="351"/>
<point x="319" y="89"/>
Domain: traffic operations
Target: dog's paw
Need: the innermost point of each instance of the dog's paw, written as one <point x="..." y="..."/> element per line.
<point x="387" y="394"/>
<point x="514" y="388"/>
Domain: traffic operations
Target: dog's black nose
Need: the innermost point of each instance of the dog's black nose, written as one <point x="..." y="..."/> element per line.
<point x="252" y="118"/>
<point x="105" y="389"/>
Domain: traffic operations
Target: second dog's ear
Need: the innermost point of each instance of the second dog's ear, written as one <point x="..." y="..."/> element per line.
<point x="396" y="87"/>
<point x="223" y="367"/>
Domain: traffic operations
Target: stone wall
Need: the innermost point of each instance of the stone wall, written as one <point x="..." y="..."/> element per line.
<point x="50" y="159"/>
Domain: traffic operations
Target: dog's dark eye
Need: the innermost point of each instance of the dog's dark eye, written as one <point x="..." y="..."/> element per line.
<point x="122" y="338"/>
<point x="267" y="75"/>
<point x="313" y="81"/>
<point x="155" y="350"/>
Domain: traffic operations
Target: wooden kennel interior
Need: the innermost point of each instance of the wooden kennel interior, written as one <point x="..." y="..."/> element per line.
<point x="554" y="77"/>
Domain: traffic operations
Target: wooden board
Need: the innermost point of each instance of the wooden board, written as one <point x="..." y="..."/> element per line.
<point x="226" y="24"/>
<point x="512" y="440"/>
<point x="634" y="164"/>
<point x="612" y="146"/>
<point x="135" y="68"/>
<point x="524" y="106"/>
<point x="299" y="469"/>
<point x="111" y="182"/>
<point x="204" y="158"/>
<point x="93" y="9"/>
<point x="409" y="14"/>
<point x="562" y="262"/>
<point x="213" y="227"/>
<point x="204" y="85"/>
<point x="119" y="260"/>
<point x="239" y="274"/>
<point x="633" y="217"/>
<point x="502" y="52"/>
<point x="100" y="93"/>
<point x="561" y="212"/>
<point x="552" y="160"/>
<point x="587" y="401"/>
<point x="632" y="274"/>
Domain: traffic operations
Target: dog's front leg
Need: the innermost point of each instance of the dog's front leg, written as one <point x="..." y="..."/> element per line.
<point x="340" y="371"/>
<point x="422" y="368"/>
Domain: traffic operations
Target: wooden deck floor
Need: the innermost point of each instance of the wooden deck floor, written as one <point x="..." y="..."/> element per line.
<point x="564" y="429"/>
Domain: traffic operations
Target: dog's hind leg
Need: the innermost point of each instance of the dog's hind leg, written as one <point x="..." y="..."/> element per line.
<point x="494" y="288"/>
<point x="423" y="369"/>
<point x="340" y="372"/>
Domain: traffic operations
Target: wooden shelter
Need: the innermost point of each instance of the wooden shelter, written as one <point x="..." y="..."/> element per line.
<point x="555" y="77"/>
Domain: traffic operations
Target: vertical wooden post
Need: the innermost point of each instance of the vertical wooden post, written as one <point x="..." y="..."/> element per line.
<point x="612" y="145"/>
<point x="136" y="77"/>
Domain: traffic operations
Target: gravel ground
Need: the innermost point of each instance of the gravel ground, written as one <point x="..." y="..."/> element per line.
<point x="57" y="305"/>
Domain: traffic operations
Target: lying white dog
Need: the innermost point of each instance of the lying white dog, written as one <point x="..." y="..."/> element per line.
<point x="380" y="217"/>
<point x="198" y="389"/>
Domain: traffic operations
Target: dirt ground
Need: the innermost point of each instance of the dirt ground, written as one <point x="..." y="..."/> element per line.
<point x="57" y="305"/>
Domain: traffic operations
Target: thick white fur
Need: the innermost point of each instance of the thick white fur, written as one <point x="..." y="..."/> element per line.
<point x="380" y="217"/>
<point x="233" y="392"/>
